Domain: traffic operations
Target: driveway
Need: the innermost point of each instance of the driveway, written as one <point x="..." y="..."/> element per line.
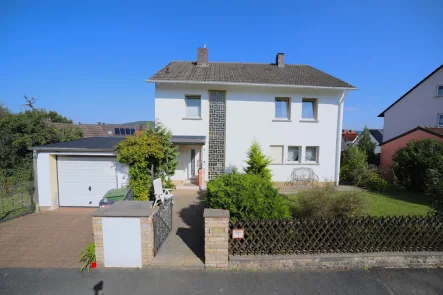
<point x="51" y="239"/>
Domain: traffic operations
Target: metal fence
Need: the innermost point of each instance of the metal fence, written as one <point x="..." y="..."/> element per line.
<point x="338" y="235"/>
<point x="16" y="200"/>
<point x="162" y="220"/>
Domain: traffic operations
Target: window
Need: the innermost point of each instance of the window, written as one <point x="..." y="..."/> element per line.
<point x="440" y="90"/>
<point x="117" y="131"/>
<point x="294" y="153"/>
<point x="309" y="108"/>
<point x="440" y="120"/>
<point x="276" y="154"/>
<point x="311" y="154"/>
<point x="193" y="106"/>
<point x="282" y="108"/>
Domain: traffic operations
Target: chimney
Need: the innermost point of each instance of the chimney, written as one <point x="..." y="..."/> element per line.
<point x="280" y="60"/>
<point x="202" y="57"/>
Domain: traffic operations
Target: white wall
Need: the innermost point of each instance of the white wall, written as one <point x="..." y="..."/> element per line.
<point x="418" y="108"/>
<point x="45" y="175"/>
<point x="249" y="115"/>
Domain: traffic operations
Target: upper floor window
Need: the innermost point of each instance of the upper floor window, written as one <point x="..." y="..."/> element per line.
<point x="440" y="90"/>
<point x="193" y="106"/>
<point x="124" y="131"/>
<point x="282" y="108"/>
<point x="309" y="108"/>
<point x="440" y="120"/>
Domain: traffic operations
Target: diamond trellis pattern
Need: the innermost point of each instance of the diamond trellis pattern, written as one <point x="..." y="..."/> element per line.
<point x="162" y="225"/>
<point x="217" y="128"/>
<point x="338" y="235"/>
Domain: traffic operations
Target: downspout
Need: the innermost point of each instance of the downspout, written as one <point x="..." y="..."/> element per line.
<point x="339" y="136"/>
<point x="34" y="164"/>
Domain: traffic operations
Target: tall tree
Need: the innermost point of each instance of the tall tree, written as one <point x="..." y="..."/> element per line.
<point x="21" y="131"/>
<point x="367" y="145"/>
<point x="257" y="162"/>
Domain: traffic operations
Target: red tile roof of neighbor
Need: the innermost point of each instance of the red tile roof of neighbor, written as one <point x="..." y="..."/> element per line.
<point x="94" y="130"/>
<point x="349" y="135"/>
<point x="437" y="131"/>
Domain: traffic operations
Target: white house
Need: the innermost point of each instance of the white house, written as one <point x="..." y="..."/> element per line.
<point x="376" y="136"/>
<point x="215" y="111"/>
<point x="422" y="105"/>
<point x="294" y="111"/>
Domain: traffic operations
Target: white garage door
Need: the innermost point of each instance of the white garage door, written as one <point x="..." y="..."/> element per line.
<point x="83" y="181"/>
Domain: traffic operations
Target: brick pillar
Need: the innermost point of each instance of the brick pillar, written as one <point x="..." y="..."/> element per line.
<point x="98" y="240"/>
<point x="216" y="238"/>
<point x="147" y="235"/>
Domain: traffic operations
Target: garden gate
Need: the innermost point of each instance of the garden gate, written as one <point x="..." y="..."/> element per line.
<point x="162" y="220"/>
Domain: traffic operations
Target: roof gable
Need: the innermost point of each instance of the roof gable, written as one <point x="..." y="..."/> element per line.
<point x="437" y="131"/>
<point x="248" y="73"/>
<point x="382" y="114"/>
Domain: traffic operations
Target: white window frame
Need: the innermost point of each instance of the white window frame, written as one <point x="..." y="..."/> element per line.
<point x="299" y="153"/>
<point x="282" y="153"/>
<point x="315" y="101"/>
<point x="317" y="154"/>
<point x="438" y="88"/>
<point x="193" y="96"/>
<point x="288" y="106"/>
<point x="438" y="120"/>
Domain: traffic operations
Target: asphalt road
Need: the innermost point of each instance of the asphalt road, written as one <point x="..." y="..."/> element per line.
<point x="155" y="281"/>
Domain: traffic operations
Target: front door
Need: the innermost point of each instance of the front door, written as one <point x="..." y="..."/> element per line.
<point x="192" y="162"/>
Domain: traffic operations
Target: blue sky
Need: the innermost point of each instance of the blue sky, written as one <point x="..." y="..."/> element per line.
<point x="89" y="59"/>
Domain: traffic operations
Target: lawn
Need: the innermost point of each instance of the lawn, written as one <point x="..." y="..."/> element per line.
<point x="387" y="204"/>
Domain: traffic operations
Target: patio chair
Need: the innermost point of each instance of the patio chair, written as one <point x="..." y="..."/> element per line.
<point x="161" y="194"/>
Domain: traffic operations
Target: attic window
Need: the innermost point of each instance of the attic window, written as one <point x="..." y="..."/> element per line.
<point x="440" y="90"/>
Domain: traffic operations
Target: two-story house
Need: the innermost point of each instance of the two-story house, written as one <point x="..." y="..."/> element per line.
<point x="422" y="105"/>
<point x="294" y="111"/>
<point x="215" y="111"/>
<point x="418" y="114"/>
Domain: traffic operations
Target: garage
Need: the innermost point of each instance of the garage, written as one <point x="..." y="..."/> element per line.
<point x="77" y="173"/>
<point x="83" y="181"/>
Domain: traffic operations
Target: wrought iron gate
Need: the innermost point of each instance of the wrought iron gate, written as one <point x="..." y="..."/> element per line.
<point x="162" y="225"/>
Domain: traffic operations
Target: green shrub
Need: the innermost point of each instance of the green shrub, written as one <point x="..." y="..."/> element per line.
<point x="325" y="202"/>
<point x="257" y="162"/>
<point x="434" y="187"/>
<point x="313" y="202"/>
<point x="371" y="179"/>
<point x="347" y="204"/>
<point x="411" y="163"/>
<point x="354" y="159"/>
<point x="246" y="196"/>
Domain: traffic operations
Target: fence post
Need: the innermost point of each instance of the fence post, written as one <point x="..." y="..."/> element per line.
<point x="216" y="238"/>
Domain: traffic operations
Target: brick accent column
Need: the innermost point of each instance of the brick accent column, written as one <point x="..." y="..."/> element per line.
<point x="147" y="235"/>
<point x="216" y="238"/>
<point x="98" y="240"/>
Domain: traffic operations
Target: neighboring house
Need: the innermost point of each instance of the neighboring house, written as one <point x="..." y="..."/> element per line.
<point x="102" y="129"/>
<point x="376" y="136"/>
<point x="294" y="111"/>
<point x="391" y="146"/>
<point x="349" y="136"/>
<point x="422" y="105"/>
<point x="215" y="110"/>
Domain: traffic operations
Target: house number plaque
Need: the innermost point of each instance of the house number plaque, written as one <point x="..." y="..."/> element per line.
<point x="238" y="233"/>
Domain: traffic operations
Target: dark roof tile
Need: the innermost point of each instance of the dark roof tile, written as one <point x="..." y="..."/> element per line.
<point x="251" y="73"/>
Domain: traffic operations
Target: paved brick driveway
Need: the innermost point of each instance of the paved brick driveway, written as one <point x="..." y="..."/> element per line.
<point x="48" y="239"/>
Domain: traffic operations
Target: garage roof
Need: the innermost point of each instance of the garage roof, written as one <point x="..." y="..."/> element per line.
<point x="108" y="143"/>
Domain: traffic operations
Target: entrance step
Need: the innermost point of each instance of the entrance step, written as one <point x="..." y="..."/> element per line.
<point x="187" y="186"/>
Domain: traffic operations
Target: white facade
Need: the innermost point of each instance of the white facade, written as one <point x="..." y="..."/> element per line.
<point x="49" y="193"/>
<point x="250" y="115"/>
<point x="421" y="107"/>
